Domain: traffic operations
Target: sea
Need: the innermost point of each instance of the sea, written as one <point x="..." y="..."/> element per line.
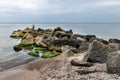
<point x="8" y="55"/>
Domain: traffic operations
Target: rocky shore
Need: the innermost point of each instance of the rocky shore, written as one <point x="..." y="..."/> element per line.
<point x="67" y="56"/>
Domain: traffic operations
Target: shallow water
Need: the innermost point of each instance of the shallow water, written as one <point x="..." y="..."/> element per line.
<point x="101" y="30"/>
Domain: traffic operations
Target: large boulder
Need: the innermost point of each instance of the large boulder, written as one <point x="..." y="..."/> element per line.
<point x="97" y="52"/>
<point x="39" y="41"/>
<point x="114" y="41"/>
<point x="27" y="39"/>
<point x="113" y="62"/>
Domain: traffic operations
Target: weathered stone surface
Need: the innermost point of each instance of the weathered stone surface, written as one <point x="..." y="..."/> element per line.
<point x="67" y="51"/>
<point x="39" y="41"/>
<point x="77" y="62"/>
<point x="59" y="34"/>
<point x="75" y="36"/>
<point x="113" y="62"/>
<point x="114" y="41"/>
<point x="114" y="46"/>
<point x="88" y="37"/>
<point x="97" y="52"/>
<point x="83" y="47"/>
<point x="27" y="39"/>
<point x="17" y="34"/>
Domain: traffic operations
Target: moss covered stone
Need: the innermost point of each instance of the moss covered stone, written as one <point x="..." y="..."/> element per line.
<point x="17" y="48"/>
<point x="17" y="34"/>
<point x="49" y="54"/>
<point x="40" y="49"/>
<point x="35" y="54"/>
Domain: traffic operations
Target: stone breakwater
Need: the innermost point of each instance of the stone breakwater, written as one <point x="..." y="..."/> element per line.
<point x="63" y="44"/>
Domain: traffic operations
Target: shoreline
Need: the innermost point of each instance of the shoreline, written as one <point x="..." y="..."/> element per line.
<point x="66" y="56"/>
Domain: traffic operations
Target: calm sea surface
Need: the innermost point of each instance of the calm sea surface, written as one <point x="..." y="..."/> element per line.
<point x="101" y="30"/>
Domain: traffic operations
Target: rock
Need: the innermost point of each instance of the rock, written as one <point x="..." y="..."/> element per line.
<point x="76" y="62"/>
<point x="113" y="62"/>
<point x="69" y="32"/>
<point x="75" y="36"/>
<point x="83" y="47"/>
<point x="27" y="39"/>
<point x="97" y="52"/>
<point x="57" y="29"/>
<point x="40" y="30"/>
<point x="66" y="47"/>
<point x="59" y="34"/>
<point x="114" y="41"/>
<point x="39" y="41"/>
<point x="56" y="44"/>
<point x="17" y="34"/>
<point x="17" y="48"/>
<point x="88" y="37"/>
<point x="35" y="54"/>
<point x="49" y="31"/>
<point x="67" y="51"/>
<point x="28" y="30"/>
<point x="98" y="39"/>
<point x="103" y="41"/>
<point x="49" y="54"/>
<point x="114" y="46"/>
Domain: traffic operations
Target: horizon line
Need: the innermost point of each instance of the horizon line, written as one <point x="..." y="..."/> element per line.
<point x="53" y="22"/>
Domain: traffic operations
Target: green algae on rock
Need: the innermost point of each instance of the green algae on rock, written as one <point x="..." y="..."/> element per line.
<point x="49" y="54"/>
<point x="35" y="54"/>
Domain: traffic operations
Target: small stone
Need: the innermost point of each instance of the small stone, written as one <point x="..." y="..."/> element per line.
<point x="76" y="62"/>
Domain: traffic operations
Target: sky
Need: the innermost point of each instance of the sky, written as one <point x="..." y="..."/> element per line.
<point x="59" y="10"/>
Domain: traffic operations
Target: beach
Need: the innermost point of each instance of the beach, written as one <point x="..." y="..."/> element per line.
<point x="57" y="54"/>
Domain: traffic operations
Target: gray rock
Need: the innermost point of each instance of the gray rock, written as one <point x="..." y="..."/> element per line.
<point x="59" y="34"/>
<point x="114" y="41"/>
<point x="83" y="47"/>
<point x="114" y="46"/>
<point x="97" y="52"/>
<point x="113" y="62"/>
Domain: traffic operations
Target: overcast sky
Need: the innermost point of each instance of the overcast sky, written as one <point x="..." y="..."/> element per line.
<point x="59" y="10"/>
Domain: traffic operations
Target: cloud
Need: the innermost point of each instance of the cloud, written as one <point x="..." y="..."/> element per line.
<point x="42" y="8"/>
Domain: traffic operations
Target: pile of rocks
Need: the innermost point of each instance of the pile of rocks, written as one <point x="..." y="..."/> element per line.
<point x="70" y="44"/>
